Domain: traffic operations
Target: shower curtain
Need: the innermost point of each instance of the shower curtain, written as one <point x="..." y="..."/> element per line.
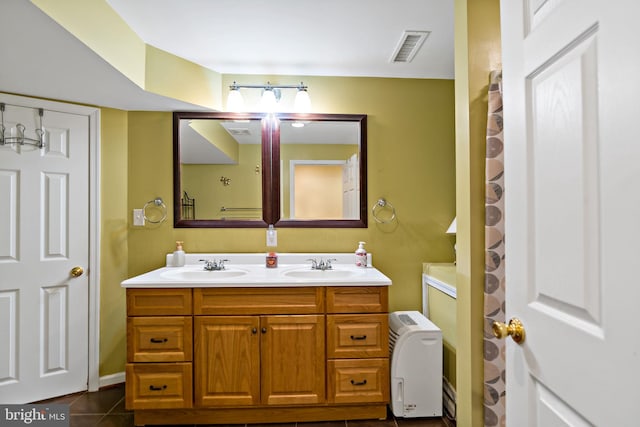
<point x="494" y="283"/>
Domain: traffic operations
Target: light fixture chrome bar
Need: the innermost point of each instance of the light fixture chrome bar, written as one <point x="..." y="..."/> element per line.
<point x="271" y="95"/>
<point x="21" y="139"/>
<point x="268" y="86"/>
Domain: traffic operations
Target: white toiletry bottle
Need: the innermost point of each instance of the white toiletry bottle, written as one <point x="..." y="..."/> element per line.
<point x="178" y="255"/>
<point x="361" y="255"/>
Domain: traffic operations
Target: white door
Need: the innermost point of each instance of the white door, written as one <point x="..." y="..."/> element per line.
<point x="44" y="234"/>
<point x="571" y="71"/>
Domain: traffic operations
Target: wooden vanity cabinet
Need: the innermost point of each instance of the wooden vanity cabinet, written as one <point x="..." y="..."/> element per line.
<point x="357" y="345"/>
<point x="159" y="349"/>
<point x="258" y="354"/>
<point x="262" y="358"/>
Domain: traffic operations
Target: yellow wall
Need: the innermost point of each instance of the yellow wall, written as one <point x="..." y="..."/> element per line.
<point x="411" y="164"/>
<point x="442" y="312"/>
<point x="114" y="253"/>
<point x="477" y="52"/>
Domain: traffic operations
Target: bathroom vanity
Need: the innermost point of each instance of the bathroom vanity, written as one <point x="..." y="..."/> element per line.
<point x="253" y="345"/>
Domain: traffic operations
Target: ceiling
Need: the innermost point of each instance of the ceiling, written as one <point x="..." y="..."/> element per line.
<point x="290" y="37"/>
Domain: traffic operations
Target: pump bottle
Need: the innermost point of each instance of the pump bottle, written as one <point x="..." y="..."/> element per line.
<point x="178" y="255"/>
<point x="361" y="255"/>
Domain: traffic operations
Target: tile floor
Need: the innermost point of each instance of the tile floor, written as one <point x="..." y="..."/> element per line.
<point x="105" y="408"/>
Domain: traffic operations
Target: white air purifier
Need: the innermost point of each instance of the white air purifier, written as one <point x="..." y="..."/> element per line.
<point x="415" y="344"/>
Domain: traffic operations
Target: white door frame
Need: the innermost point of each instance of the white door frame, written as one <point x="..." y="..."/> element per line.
<point x="93" y="380"/>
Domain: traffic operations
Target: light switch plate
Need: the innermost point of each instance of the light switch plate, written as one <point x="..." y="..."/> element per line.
<point x="138" y="217"/>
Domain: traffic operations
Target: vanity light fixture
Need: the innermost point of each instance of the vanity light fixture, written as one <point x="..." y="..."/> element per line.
<point x="20" y="128"/>
<point x="271" y="95"/>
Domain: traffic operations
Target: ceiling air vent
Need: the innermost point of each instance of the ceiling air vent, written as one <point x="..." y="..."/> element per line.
<point x="239" y="131"/>
<point x="410" y="43"/>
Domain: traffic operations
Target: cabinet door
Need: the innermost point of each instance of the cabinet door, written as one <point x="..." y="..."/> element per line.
<point x="227" y="360"/>
<point x="293" y="359"/>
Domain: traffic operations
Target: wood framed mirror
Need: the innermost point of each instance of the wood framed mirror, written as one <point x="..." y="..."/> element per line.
<point x="253" y="169"/>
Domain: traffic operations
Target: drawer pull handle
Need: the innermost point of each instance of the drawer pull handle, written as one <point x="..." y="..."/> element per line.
<point x="154" y="388"/>
<point x="264" y="330"/>
<point x="158" y="340"/>
<point x="254" y="331"/>
<point x="363" y="382"/>
<point x="358" y="337"/>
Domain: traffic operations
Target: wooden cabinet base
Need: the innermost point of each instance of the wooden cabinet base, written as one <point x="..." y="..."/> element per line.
<point x="254" y="415"/>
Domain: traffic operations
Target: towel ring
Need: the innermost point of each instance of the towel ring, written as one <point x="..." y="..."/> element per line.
<point x="157" y="202"/>
<point x="380" y="205"/>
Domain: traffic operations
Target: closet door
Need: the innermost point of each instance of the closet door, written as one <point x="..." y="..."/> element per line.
<point x="44" y="257"/>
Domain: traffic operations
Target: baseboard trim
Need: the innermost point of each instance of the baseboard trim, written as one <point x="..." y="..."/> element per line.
<point x="113" y="379"/>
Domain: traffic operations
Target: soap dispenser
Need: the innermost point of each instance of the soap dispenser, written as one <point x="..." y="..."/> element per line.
<point x="361" y="255"/>
<point x="178" y="255"/>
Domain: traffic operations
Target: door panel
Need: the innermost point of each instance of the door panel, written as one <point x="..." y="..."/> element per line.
<point x="54" y="217"/>
<point x="9" y="212"/>
<point x="562" y="98"/>
<point x="54" y="327"/>
<point x="8" y="336"/>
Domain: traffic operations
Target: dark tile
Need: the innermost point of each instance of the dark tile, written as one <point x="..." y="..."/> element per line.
<point x="66" y="399"/>
<point x="273" y="425"/>
<point x="421" y="422"/>
<point x="99" y="402"/>
<point x="84" y="420"/>
<point x="389" y="422"/>
<point x="106" y="408"/>
<point x="116" y="420"/>
<point x="323" y="424"/>
<point x="119" y="408"/>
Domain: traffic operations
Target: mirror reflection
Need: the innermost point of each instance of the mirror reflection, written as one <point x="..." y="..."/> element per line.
<point x="221" y="169"/>
<point x="319" y="170"/>
<point x="251" y="170"/>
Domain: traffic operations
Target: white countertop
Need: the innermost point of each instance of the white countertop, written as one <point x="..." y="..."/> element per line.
<point x="249" y="270"/>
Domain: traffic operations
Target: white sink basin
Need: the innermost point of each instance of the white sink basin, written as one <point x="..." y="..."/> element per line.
<point x="320" y="274"/>
<point x="203" y="275"/>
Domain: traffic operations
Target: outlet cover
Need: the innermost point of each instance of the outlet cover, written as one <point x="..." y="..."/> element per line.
<point x="272" y="238"/>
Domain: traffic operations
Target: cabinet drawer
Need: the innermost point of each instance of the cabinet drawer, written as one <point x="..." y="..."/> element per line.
<point x="158" y="386"/>
<point x="302" y="300"/>
<point x="153" y="302"/>
<point x="357" y="335"/>
<point x="358" y="381"/>
<point x="357" y="299"/>
<point x="159" y="339"/>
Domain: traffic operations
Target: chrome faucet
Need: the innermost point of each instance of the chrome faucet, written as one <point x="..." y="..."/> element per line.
<point x="214" y="265"/>
<point x="322" y="264"/>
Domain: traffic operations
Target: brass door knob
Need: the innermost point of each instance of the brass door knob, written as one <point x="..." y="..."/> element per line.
<point x="514" y="328"/>
<point x="76" y="272"/>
